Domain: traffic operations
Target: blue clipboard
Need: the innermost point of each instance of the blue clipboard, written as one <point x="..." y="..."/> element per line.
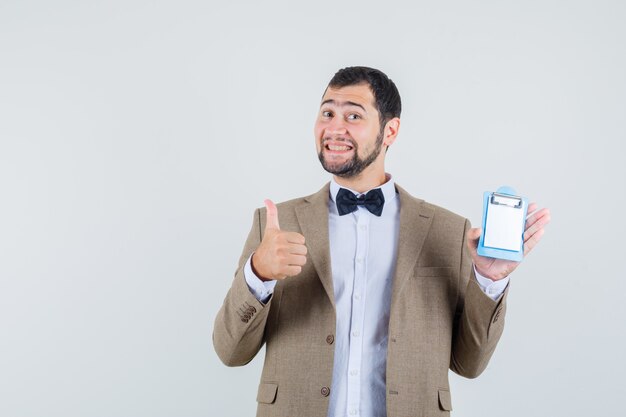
<point x="504" y="220"/>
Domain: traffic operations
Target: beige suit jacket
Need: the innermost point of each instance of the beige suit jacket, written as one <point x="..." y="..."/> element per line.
<point x="439" y="320"/>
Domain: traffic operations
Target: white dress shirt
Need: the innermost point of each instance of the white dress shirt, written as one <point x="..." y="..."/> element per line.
<point x="363" y="250"/>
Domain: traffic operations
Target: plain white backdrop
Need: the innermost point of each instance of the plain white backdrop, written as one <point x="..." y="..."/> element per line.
<point x="137" y="138"/>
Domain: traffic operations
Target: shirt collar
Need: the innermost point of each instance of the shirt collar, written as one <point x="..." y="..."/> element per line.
<point x="388" y="189"/>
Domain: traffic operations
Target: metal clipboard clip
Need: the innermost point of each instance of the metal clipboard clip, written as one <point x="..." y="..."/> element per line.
<point x="506" y="200"/>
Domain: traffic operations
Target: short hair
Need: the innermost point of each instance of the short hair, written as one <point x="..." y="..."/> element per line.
<point x="386" y="95"/>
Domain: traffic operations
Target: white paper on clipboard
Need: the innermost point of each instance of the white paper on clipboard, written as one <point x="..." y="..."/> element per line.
<point x="504" y="227"/>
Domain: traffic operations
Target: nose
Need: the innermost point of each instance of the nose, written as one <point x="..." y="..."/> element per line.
<point x="336" y="127"/>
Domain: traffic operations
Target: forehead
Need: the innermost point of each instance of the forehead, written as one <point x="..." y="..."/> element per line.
<point x="359" y="94"/>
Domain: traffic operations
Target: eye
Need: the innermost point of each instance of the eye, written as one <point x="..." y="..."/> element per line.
<point x="353" y="116"/>
<point x="327" y="113"/>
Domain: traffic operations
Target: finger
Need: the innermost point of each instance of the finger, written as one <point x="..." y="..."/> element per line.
<point x="295" y="237"/>
<point x="528" y="234"/>
<point x="472" y="239"/>
<point x="533" y="230"/>
<point x="298" y="260"/>
<point x="292" y="270"/>
<point x="536" y="214"/>
<point x="474" y="233"/>
<point x="272" y="215"/>
<point x="297" y="249"/>
<point x="538" y="220"/>
<point x="532" y="242"/>
<point x="531" y="208"/>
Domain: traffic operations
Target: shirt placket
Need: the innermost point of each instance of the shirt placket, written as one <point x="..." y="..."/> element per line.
<point x="358" y="312"/>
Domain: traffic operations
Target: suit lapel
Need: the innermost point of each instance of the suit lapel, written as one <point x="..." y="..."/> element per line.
<point x="415" y="220"/>
<point x="313" y="218"/>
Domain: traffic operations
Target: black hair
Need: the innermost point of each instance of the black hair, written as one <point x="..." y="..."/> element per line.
<point x="386" y="95"/>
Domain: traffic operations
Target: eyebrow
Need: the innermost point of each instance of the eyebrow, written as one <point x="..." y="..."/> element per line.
<point x="343" y="104"/>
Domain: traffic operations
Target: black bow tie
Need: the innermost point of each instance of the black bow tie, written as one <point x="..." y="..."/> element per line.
<point x="347" y="202"/>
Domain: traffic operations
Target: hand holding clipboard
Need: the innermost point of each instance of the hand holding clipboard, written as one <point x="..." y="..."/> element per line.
<point x="509" y="233"/>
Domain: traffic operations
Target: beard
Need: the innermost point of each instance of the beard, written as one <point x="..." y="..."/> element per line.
<point x="354" y="166"/>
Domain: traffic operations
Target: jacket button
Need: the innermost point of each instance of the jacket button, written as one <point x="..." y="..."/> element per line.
<point x="330" y="339"/>
<point x="325" y="391"/>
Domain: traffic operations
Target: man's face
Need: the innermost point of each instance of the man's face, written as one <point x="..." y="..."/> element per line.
<point x="348" y="135"/>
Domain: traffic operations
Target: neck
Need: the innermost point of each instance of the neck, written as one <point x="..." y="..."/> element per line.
<point x="363" y="182"/>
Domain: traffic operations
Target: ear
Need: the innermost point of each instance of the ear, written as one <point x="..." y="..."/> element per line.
<point x="391" y="131"/>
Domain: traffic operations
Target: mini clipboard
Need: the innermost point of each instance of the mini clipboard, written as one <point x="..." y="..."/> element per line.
<point x="504" y="218"/>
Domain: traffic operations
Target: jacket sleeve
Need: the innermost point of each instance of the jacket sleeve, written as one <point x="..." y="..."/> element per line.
<point x="240" y="323"/>
<point x="479" y="321"/>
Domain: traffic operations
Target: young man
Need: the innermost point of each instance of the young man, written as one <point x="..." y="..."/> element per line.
<point x="364" y="295"/>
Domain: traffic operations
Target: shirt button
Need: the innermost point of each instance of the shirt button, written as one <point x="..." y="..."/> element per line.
<point x="359" y="260"/>
<point x="363" y="227"/>
<point x="355" y="333"/>
<point x="357" y="297"/>
<point x="354" y="372"/>
<point x="325" y="391"/>
<point x="353" y="412"/>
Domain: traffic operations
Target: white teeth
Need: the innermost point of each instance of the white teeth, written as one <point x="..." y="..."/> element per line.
<point x="338" y="148"/>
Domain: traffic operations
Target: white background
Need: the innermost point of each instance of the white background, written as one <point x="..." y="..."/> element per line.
<point x="137" y="138"/>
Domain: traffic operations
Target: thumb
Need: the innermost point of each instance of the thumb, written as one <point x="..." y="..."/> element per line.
<point x="472" y="238"/>
<point x="272" y="215"/>
<point x="474" y="233"/>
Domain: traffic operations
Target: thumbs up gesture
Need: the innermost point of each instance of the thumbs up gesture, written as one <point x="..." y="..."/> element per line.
<point x="281" y="254"/>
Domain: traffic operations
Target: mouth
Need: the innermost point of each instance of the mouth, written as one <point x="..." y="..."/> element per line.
<point x="337" y="149"/>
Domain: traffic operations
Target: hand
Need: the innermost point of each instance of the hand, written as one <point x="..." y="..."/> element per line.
<point x="280" y="254"/>
<point x="497" y="269"/>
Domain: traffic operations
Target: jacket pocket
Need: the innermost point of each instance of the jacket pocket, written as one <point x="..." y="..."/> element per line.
<point x="434" y="271"/>
<point x="267" y="393"/>
<point x="445" y="402"/>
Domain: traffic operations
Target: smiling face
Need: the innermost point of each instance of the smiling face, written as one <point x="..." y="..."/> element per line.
<point x="348" y="135"/>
